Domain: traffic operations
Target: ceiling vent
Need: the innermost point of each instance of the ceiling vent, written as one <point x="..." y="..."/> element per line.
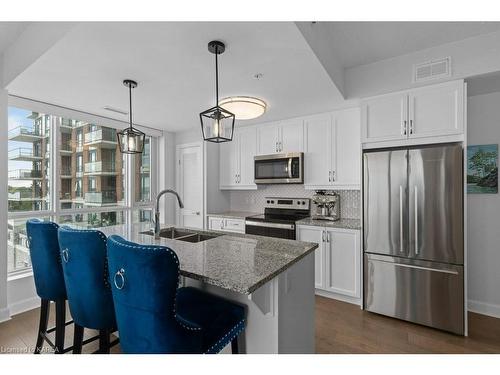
<point x="433" y="69"/>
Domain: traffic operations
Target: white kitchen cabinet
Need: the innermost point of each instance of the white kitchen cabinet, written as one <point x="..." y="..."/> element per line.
<point x="236" y="160"/>
<point x="337" y="259"/>
<point x="283" y="137"/>
<point x="332" y="159"/>
<point x="315" y="235"/>
<point x="226" y="224"/>
<point x="423" y="113"/>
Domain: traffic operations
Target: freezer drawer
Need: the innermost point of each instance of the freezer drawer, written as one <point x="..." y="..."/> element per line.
<point x="422" y="292"/>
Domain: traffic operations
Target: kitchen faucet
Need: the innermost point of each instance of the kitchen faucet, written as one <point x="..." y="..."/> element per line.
<point x="157" y="209"/>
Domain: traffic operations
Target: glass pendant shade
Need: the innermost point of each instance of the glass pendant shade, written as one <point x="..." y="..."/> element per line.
<point x="217" y="125"/>
<point x="131" y="140"/>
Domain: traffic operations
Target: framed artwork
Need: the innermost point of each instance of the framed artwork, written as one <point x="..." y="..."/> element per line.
<point x="482" y="169"/>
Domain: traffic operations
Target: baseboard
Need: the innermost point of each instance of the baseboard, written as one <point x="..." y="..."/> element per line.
<point x="4" y="314"/>
<point x="484" y="308"/>
<point x="24" y="305"/>
<point x="339" y="297"/>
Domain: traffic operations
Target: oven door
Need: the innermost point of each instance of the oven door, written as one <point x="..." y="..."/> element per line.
<point x="279" y="230"/>
<point x="279" y="169"/>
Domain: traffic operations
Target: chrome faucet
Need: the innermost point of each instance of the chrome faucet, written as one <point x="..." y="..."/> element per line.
<point x="157" y="209"/>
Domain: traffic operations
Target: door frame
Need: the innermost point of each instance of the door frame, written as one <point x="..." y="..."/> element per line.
<point x="178" y="148"/>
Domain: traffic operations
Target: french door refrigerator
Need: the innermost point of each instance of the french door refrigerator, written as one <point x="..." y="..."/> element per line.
<point x="413" y="240"/>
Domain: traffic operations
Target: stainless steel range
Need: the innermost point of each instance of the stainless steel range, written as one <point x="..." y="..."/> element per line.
<point x="278" y="220"/>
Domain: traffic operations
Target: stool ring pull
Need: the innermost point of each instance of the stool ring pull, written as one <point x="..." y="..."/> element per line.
<point x="119" y="279"/>
<point x="65" y="255"/>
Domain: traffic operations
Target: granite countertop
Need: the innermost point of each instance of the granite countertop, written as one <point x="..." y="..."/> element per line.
<point x="342" y="223"/>
<point x="233" y="214"/>
<point x="237" y="262"/>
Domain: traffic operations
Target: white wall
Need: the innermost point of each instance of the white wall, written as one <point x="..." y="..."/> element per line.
<point x="483" y="121"/>
<point x="470" y="57"/>
<point x="4" y="311"/>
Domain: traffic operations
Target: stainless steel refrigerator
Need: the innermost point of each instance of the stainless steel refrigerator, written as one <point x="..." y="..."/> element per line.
<point x="413" y="239"/>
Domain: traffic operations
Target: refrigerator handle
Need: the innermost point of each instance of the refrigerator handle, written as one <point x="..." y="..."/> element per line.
<point x="401" y="218"/>
<point x="416" y="220"/>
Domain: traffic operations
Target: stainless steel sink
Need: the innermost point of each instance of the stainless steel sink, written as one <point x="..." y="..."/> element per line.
<point x="183" y="235"/>
<point x="172" y="233"/>
<point x="198" y="237"/>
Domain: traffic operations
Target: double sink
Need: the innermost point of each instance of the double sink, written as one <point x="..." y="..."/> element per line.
<point x="183" y="235"/>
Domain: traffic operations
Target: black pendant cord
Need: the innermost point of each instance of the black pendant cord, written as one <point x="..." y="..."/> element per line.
<point x="216" y="77"/>
<point x="130" y="102"/>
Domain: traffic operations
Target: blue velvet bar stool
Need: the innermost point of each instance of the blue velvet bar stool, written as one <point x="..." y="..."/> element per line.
<point x="154" y="316"/>
<point x="84" y="263"/>
<point x="49" y="281"/>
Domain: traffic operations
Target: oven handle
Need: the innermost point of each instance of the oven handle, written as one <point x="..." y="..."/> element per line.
<point x="290" y="175"/>
<point x="269" y="225"/>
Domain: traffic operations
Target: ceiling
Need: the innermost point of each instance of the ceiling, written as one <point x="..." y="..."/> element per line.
<point x="175" y="71"/>
<point x="360" y="43"/>
<point x="9" y="32"/>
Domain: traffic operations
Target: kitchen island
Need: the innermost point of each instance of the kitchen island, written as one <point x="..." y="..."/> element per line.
<point x="273" y="278"/>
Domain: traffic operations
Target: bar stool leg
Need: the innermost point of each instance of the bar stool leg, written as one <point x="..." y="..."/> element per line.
<point x="78" y="339"/>
<point x="42" y="327"/>
<point x="60" y="325"/>
<point x="104" y="341"/>
<point x="234" y="346"/>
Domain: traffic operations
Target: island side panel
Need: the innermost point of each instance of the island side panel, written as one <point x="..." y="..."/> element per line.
<point x="280" y="314"/>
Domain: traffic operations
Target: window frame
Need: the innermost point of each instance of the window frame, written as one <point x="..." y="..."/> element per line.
<point x="54" y="211"/>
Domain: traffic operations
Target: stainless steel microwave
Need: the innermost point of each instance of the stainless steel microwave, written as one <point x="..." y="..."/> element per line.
<point x="279" y="168"/>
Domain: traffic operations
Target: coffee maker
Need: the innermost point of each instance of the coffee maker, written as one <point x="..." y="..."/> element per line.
<point x="326" y="205"/>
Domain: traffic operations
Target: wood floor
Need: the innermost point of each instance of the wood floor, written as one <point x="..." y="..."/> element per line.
<point x="340" y="328"/>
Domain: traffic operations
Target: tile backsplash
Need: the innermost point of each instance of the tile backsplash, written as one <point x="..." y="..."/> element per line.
<point x="253" y="200"/>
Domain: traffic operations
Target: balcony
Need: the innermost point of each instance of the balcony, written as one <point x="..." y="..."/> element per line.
<point x="66" y="147"/>
<point x="65" y="171"/>
<point x="24" y="195"/>
<point x="100" y="168"/>
<point x="25" y="174"/>
<point x="100" y="198"/>
<point x="24" y="154"/>
<point x="104" y="137"/>
<point x="144" y="169"/>
<point x="24" y="134"/>
<point x="65" y="197"/>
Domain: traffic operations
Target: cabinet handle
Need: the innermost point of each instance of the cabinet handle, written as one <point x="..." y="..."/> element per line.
<point x="281" y="146"/>
<point x="329" y="176"/>
<point x="276" y="147"/>
<point x="327" y="236"/>
<point x="333" y="175"/>
<point x="239" y="178"/>
<point x="404" y="127"/>
<point x="411" y="126"/>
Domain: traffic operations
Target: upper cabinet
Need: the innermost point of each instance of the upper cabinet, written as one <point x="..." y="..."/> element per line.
<point x="236" y="160"/>
<point x="283" y="137"/>
<point x="418" y="115"/>
<point x="332" y="152"/>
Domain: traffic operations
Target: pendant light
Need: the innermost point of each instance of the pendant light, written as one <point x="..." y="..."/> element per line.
<point x="131" y="140"/>
<point x="217" y="123"/>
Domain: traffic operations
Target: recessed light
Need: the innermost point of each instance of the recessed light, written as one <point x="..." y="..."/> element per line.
<point x="258" y="76"/>
<point x="244" y="107"/>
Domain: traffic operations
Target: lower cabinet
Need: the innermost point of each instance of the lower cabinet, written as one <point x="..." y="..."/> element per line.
<point x="227" y="224"/>
<point x="337" y="259"/>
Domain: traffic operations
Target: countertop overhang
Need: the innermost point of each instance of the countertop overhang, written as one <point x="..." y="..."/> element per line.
<point x="238" y="262"/>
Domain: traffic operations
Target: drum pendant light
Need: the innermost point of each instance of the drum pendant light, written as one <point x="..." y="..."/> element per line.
<point x="131" y="140"/>
<point x="217" y="123"/>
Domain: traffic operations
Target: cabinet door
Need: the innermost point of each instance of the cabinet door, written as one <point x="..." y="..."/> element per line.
<point x="248" y="149"/>
<point x="268" y="138"/>
<point x="317" y="158"/>
<point x="384" y="118"/>
<point x="215" y="223"/>
<point x="346" y="150"/>
<point x="437" y="110"/>
<point x="292" y="136"/>
<point x="308" y="234"/>
<point x="229" y="163"/>
<point x="343" y="262"/>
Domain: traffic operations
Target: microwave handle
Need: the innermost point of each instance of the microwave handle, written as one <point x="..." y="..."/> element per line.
<point x="290" y="175"/>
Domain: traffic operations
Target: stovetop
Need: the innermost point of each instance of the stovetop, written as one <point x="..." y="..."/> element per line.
<point x="283" y="210"/>
<point x="276" y="218"/>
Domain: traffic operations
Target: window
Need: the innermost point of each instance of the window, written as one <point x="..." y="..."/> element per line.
<point x="72" y="172"/>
